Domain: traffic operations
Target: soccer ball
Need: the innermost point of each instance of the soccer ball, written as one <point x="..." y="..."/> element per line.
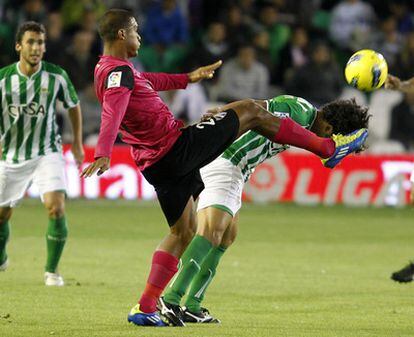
<point x="366" y="70"/>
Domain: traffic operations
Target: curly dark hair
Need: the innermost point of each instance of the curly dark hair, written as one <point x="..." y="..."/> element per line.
<point x="345" y="115"/>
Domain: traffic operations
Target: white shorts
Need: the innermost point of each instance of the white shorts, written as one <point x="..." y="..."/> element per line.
<point x="223" y="186"/>
<point x="46" y="172"/>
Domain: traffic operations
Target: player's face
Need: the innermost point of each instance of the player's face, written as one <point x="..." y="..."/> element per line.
<point x="133" y="39"/>
<point x="31" y="48"/>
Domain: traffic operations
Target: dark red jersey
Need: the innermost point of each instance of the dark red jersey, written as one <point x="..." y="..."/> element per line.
<point x="131" y="105"/>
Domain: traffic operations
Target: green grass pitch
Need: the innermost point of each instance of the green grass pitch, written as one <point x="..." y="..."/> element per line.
<point x="293" y="271"/>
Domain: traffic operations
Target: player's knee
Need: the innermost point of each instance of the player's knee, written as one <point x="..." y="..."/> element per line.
<point x="186" y="235"/>
<point x="228" y="240"/>
<point x="55" y="210"/>
<point x="212" y="231"/>
<point x="216" y="236"/>
<point x="230" y="236"/>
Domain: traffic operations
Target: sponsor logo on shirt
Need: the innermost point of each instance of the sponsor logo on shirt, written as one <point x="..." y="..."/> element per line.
<point x="32" y="109"/>
<point x="114" y="79"/>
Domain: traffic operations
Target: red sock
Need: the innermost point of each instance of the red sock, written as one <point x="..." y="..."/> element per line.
<point x="163" y="268"/>
<point x="291" y="133"/>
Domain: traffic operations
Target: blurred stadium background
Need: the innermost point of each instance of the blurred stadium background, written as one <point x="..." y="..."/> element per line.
<point x="269" y="47"/>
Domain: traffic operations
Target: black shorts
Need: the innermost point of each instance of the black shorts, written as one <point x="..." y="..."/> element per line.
<point x="176" y="177"/>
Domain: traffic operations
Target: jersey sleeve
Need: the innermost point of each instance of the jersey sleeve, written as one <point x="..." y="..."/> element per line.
<point x="163" y="81"/>
<point x="118" y="88"/>
<point x="67" y="93"/>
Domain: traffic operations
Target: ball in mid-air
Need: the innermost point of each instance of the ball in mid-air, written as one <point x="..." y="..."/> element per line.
<point x="366" y="70"/>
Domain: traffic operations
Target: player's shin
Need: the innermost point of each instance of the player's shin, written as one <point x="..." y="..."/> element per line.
<point x="4" y="237"/>
<point x="203" y="279"/>
<point x="55" y="238"/>
<point x="163" y="268"/>
<point x="291" y="133"/>
<point x="191" y="262"/>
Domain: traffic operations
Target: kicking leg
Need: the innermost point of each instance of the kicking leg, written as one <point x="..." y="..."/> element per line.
<point x="253" y="116"/>
<point x="5" y="214"/>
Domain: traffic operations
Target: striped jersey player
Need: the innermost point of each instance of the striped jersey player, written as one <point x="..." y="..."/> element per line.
<point x="31" y="150"/>
<point x="28" y="120"/>
<point x="224" y="179"/>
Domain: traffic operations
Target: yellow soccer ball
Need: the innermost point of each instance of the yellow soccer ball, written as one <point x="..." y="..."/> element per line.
<point x="366" y="70"/>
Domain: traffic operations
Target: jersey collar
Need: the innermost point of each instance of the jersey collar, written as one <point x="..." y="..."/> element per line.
<point x="25" y="76"/>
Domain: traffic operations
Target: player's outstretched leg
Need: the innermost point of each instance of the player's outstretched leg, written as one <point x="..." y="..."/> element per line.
<point x="252" y="116"/>
<point x="404" y="275"/>
<point x="5" y="214"/>
<point x="194" y="312"/>
<point x="55" y="237"/>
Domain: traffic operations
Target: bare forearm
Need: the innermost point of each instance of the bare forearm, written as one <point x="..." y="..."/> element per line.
<point x="75" y="117"/>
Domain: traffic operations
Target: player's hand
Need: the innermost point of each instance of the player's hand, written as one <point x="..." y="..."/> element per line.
<point x="100" y="165"/>
<point x="205" y="72"/>
<point x="393" y="83"/>
<point x="78" y="153"/>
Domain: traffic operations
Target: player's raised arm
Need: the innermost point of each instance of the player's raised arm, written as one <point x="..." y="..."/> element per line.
<point x="164" y="81"/>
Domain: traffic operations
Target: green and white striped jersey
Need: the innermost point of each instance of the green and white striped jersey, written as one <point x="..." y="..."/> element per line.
<point x="27" y="120"/>
<point x="251" y="149"/>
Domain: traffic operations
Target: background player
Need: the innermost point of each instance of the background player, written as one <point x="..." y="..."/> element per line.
<point x="31" y="144"/>
<point x="220" y="201"/>
<point x="405" y="274"/>
<point x="168" y="155"/>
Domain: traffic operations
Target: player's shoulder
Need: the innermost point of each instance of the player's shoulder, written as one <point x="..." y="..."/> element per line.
<point x="8" y="70"/>
<point x="109" y="64"/>
<point x="120" y="75"/>
<point x="53" y="68"/>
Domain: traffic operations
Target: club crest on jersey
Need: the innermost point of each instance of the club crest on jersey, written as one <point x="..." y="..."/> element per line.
<point x="114" y="79"/>
<point x="33" y="109"/>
